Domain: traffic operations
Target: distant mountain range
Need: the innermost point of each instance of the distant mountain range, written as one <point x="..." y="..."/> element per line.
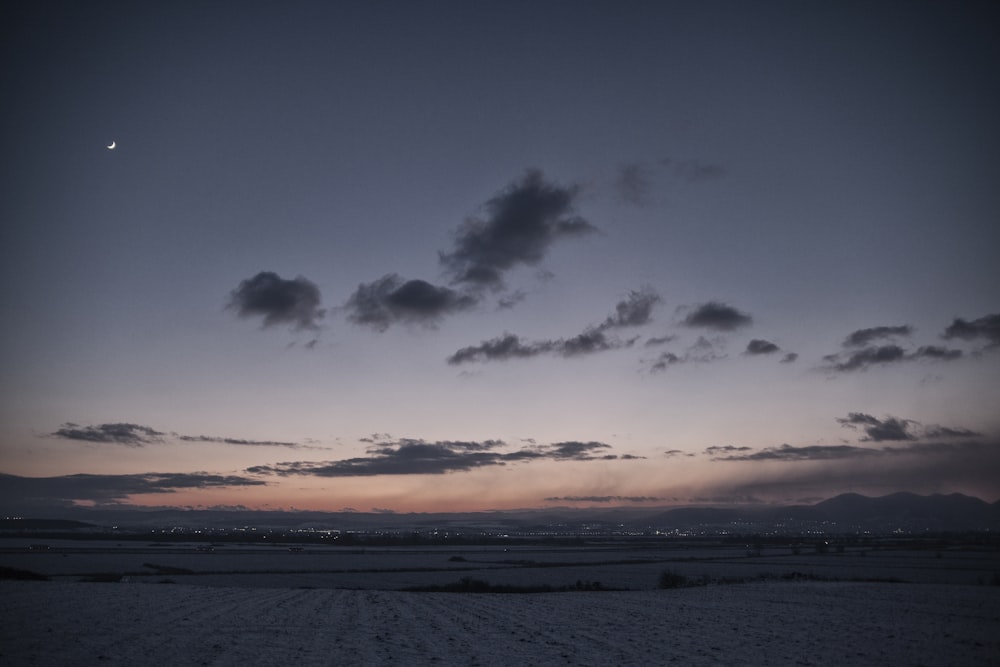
<point x="846" y="513"/>
<point x="851" y="512"/>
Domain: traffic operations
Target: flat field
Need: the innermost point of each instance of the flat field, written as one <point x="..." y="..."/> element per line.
<point x="136" y="603"/>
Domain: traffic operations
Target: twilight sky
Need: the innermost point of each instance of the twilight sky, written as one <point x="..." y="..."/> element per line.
<point x="424" y="256"/>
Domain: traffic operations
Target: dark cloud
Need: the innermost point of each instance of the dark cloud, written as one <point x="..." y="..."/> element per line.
<point x="659" y="340"/>
<point x="986" y="328"/>
<point x="278" y="301"/>
<point x="759" y="346"/>
<point x="862" y="359"/>
<point x="861" y="354"/>
<point x="720" y="450"/>
<point x="588" y="342"/>
<point x="390" y="300"/>
<point x="135" y="435"/>
<point x="936" y="352"/>
<point x="717" y="316"/>
<point x="703" y="351"/>
<point x="603" y="499"/>
<point x="963" y="451"/>
<point x="969" y="466"/>
<point x="522" y="223"/>
<point x="894" y="428"/>
<point x="888" y="429"/>
<point x="887" y="354"/>
<point x="572" y="450"/>
<point x="406" y="457"/>
<point x="935" y="431"/>
<point x="863" y="337"/>
<point x="238" y="441"/>
<point x="501" y="348"/>
<point x="807" y="453"/>
<point x="879" y="430"/>
<point x="671" y="453"/>
<point x="132" y="435"/>
<point x="108" y="488"/>
<point x="418" y="457"/>
<point x="633" y="311"/>
<point x="576" y="450"/>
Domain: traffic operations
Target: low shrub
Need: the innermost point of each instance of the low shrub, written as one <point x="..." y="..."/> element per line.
<point x="470" y="585"/>
<point x="103" y="577"/>
<point x="22" y="575"/>
<point x="167" y="569"/>
<point x="672" y="579"/>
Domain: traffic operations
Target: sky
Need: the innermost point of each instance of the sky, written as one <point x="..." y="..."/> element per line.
<point x="439" y="256"/>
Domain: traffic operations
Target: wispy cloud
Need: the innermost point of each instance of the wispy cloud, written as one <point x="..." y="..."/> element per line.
<point x="914" y="466"/>
<point x="664" y="361"/>
<point x="671" y="453"/>
<point x="502" y="348"/>
<point x="862" y="359"/>
<point x="419" y="457"/>
<point x="603" y="499"/>
<point x="894" y="428"/>
<point x="863" y="337"/>
<point x="654" y="341"/>
<point x="880" y="346"/>
<point x="636" y="182"/>
<point x="109" y="488"/>
<point x="918" y="439"/>
<point x="806" y="453"/>
<point x="883" y="355"/>
<point x="694" y="171"/>
<point x="132" y="435"/>
<point x="136" y="435"/>
<point x="239" y="441"/>
<point x="633" y="311"/>
<point x="293" y="302"/>
<point x="879" y="430"/>
<point x="985" y="328"/>
<point x="726" y="450"/>
<point x="701" y="351"/>
<point x="931" y="467"/>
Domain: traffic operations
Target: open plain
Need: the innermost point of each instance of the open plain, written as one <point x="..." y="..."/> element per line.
<point x="126" y="603"/>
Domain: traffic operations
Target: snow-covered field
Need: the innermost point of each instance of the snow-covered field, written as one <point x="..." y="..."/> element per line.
<point x="778" y="623"/>
<point x="239" y="605"/>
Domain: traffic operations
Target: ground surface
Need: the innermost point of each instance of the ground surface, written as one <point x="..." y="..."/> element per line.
<point x="775" y="622"/>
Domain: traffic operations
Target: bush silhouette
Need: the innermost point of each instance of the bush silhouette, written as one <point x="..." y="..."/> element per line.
<point x="672" y="579"/>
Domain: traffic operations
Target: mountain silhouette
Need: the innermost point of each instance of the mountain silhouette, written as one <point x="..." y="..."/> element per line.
<point x="852" y="512"/>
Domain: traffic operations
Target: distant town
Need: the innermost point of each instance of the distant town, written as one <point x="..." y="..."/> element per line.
<point x="848" y="518"/>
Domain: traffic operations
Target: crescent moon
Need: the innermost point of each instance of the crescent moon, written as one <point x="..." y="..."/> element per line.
<point x="112" y="146"/>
